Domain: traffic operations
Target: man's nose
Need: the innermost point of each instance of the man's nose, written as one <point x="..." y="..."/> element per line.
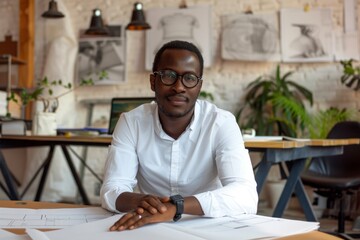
<point x="179" y="86"/>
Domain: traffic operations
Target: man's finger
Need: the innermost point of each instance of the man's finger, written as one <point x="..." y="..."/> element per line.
<point x="156" y="203"/>
<point x="148" y="207"/>
<point x="118" y="225"/>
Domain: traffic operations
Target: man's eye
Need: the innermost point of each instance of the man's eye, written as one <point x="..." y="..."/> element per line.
<point x="189" y="77"/>
<point x="170" y="75"/>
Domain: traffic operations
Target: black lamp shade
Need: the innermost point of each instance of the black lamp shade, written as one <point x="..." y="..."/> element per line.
<point x="97" y="26"/>
<point x="138" y="19"/>
<point x="53" y="11"/>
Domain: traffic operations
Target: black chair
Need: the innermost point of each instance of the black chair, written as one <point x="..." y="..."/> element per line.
<point x="336" y="176"/>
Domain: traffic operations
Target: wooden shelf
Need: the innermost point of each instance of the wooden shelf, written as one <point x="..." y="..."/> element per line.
<point x="4" y="59"/>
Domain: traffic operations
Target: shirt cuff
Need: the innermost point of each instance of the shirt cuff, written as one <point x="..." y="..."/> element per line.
<point x="208" y="205"/>
<point x="108" y="200"/>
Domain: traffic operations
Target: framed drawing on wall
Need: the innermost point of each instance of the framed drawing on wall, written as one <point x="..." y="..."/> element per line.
<point x="192" y="24"/>
<point x="102" y="58"/>
<point x="306" y="36"/>
<point x="250" y="37"/>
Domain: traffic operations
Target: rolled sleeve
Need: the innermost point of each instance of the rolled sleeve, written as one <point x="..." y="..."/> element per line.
<point x="238" y="193"/>
<point x="120" y="169"/>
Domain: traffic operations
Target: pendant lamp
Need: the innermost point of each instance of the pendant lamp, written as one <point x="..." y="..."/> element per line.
<point x="97" y="26"/>
<point x="53" y="11"/>
<point x="138" y="19"/>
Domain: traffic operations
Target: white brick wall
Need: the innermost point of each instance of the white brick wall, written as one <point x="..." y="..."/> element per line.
<point x="225" y="79"/>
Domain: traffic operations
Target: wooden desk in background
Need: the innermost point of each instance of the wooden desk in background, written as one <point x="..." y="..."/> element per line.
<point x="9" y="142"/>
<point x="314" y="235"/>
<point x="293" y="153"/>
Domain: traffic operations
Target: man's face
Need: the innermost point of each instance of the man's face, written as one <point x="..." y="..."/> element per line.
<point x="176" y="101"/>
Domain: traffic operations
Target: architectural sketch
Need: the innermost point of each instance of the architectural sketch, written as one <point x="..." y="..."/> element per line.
<point x="250" y="37"/>
<point x="306" y="36"/>
<point x="50" y="218"/>
<point x="102" y="59"/>
<point x="188" y="24"/>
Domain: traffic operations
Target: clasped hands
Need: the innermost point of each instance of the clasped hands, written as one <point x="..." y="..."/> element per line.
<point x="151" y="209"/>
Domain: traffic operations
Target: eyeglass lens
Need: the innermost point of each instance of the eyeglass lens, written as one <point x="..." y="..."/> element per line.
<point x="169" y="77"/>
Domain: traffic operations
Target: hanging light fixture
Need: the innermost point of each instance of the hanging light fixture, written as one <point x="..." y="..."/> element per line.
<point x="53" y="11"/>
<point x="138" y="19"/>
<point x="97" y="26"/>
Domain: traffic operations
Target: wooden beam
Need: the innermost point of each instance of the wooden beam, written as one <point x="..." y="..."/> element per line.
<point x="26" y="42"/>
<point x="26" y="47"/>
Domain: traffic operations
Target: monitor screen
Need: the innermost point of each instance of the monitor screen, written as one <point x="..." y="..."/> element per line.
<point x="120" y="105"/>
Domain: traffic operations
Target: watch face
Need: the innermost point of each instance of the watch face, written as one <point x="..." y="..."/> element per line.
<point x="176" y="198"/>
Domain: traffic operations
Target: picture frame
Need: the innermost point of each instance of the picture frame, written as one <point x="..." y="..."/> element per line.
<point x="102" y="58"/>
<point x="306" y="36"/>
<point x="250" y="37"/>
<point x="192" y="24"/>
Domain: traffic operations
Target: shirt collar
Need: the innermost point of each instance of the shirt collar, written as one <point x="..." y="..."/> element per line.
<point x="192" y="126"/>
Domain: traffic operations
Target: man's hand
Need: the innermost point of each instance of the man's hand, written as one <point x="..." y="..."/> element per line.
<point x="141" y="217"/>
<point x="152" y="204"/>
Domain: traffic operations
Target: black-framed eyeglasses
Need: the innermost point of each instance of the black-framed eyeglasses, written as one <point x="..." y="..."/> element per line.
<point x="169" y="77"/>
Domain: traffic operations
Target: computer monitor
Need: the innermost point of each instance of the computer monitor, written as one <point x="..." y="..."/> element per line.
<point x="120" y="105"/>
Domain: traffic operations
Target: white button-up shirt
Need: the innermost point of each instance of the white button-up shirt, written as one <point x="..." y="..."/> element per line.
<point x="208" y="161"/>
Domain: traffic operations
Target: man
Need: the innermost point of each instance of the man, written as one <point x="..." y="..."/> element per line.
<point x="185" y="155"/>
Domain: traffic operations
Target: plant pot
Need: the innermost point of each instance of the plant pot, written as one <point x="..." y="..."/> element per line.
<point x="274" y="188"/>
<point x="44" y="123"/>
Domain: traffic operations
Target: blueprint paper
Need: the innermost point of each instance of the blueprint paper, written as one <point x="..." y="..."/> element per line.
<point x="49" y="218"/>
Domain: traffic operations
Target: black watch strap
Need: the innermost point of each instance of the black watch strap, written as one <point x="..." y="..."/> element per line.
<point x="178" y="201"/>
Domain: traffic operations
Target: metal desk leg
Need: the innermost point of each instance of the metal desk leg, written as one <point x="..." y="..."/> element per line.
<point x="12" y="191"/>
<point x="46" y="167"/>
<point x="304" y="202"/>
<point x="294" y="175"/>
<point x="75" y="175"/>
<point x="261" y="174"/>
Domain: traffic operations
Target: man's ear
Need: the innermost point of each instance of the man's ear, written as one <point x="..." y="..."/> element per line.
<point x="152" y="82"/>
<point x="200" y="85"/>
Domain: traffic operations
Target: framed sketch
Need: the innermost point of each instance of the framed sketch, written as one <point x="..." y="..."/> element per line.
<point x="120" y="105"/>
<point x="250" y="37"/>
<point x="306" y="36"/>
<point x="189" y="24"/>
<point x="102" y="58"/>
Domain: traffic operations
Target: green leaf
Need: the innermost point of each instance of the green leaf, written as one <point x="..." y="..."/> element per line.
<point x="275" y="105"/>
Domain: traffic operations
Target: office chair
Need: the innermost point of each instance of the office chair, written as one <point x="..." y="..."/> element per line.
<point x="335" y="176"/>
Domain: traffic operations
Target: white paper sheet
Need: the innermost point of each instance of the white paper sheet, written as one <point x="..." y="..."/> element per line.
<point x="190" y="228"/>
<point x="49" y="218"/>
<point x="244" y="227"/>
<point x="4" y="233"/>
<point x="99" y="230"/>
<point x="349" y="16"/>
<point x="17" y="237"/>
<point x="36" y="234"/>
<point x="346" y="45"/>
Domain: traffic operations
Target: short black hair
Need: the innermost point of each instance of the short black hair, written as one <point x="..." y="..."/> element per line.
<point x="177" y="44"/>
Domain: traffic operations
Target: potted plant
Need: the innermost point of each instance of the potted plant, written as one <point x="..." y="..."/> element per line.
<point x="274" y="105"/>
<point x="44" y="122"/>
<point x="44" y="92"/>
<point x="324" y="120"/>
<point x="351" y="75"/>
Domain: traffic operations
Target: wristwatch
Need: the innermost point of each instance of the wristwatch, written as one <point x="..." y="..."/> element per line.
<point x="178" y="201"/>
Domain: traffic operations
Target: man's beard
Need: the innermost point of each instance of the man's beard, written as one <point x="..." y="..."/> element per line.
<point x="175" y="114"/>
